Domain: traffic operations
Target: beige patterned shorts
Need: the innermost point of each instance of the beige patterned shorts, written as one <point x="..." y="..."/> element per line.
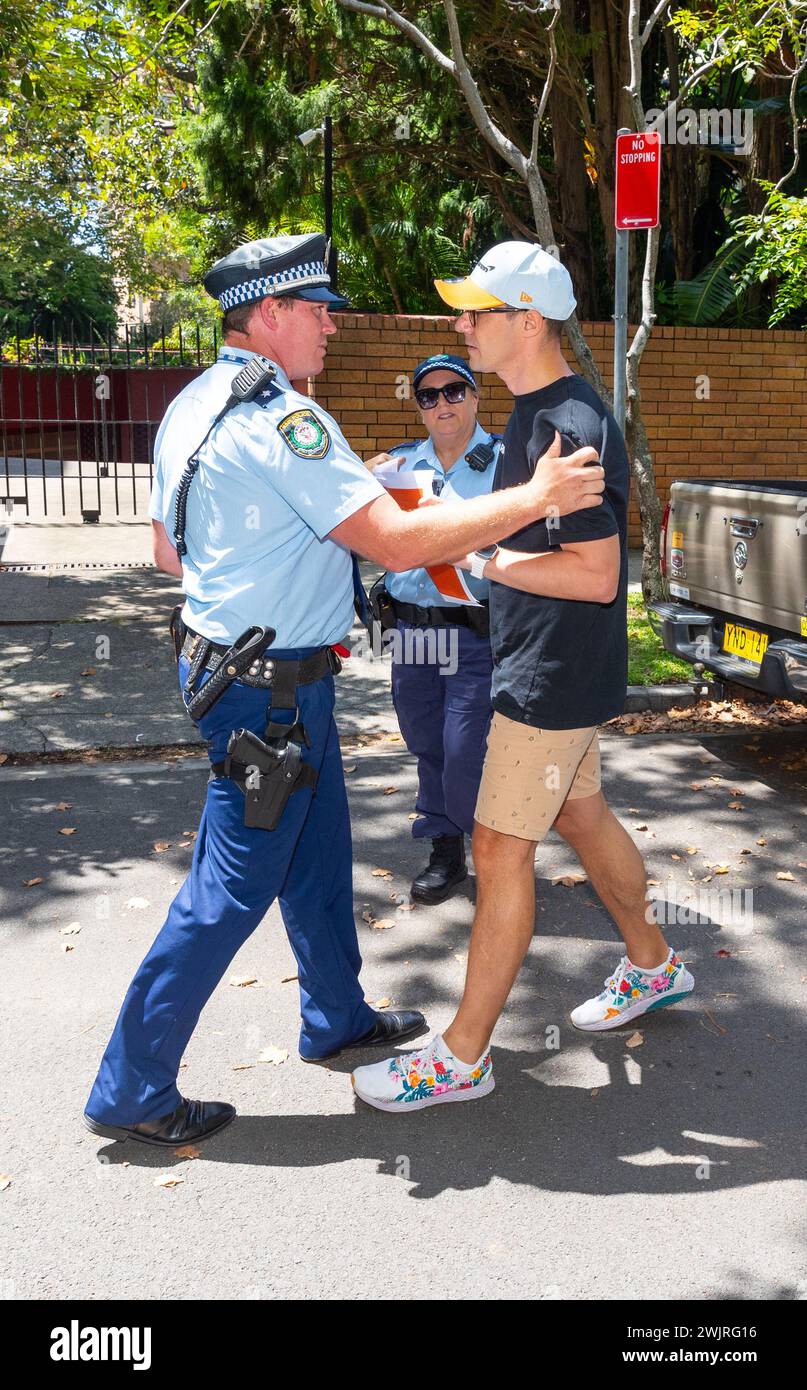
<point x="529" y="773"/>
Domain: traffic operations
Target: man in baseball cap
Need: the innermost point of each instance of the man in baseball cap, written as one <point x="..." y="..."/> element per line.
<point x="558" y="627"/>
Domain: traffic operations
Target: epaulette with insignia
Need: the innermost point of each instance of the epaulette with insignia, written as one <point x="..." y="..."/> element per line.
<point x="271" y="393"/>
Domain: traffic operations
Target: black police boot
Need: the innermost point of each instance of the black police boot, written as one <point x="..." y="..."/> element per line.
<point x="192" y="1121"/>
<point x="445" y="869"/>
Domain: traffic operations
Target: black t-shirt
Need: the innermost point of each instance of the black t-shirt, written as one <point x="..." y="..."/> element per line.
<point x="562" y="663"/>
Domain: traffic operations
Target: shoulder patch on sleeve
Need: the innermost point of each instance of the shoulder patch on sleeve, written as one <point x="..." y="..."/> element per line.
<point x="305" y="434"/>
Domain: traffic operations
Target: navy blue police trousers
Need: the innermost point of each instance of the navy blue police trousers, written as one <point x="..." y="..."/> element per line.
<point x="444" y="716"/>
<point x="236" y="874"/>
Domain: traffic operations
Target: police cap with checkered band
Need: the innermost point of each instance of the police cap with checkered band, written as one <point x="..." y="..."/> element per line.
<point x="282" y="266"/>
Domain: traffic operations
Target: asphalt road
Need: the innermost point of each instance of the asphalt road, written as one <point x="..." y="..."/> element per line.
<point x="674" y="1168"/>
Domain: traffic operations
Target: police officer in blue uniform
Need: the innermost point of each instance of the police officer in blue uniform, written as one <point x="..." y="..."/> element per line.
<point x="258" y="502"/>
<point x="441" y="688"/>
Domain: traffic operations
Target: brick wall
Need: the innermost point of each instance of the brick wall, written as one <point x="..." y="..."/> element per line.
<point x="753" y="424"/>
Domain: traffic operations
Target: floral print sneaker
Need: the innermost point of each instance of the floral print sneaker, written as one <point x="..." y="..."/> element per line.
<point x="629" y="993"/>
<point x="413" y="1080"/>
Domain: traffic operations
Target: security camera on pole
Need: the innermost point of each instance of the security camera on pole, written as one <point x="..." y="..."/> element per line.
<point x="636" y="208"/>
<point x="305" y="138"/>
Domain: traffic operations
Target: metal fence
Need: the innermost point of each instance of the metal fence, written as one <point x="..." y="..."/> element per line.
<point x="78" y="420"/>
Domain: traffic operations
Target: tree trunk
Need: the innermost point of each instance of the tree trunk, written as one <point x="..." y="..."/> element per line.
<point x="572" y="221"/>
<point x="680" y="176"/>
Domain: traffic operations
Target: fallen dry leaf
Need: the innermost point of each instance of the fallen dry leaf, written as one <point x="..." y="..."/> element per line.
<point x="137" y="904"/>
<point x="275" y="1055"/>
<point x="787" y="876"/>
<point x="568" y="880"/>
<point x="635" y="1040"/>
<point x="722" y="868"/>
<point x="241" y="981"/>
<point x="691" y="849"/>
<point x="382" y="924"/>
<point x="287" y="979"/>
<point x="3" y="758"/>
<point x="696" y="786"/>
<point x="406" y="907"/>
<point x="72" y="929"/>
<point x="656" y="882"/>
<point x="68" y="830"/>
<point x="88" y="671"/>
<point x="675" y="856"/>
<point x="367" y="914"/>
<point x="190" y="834"/>
<point x="595" y="1092"/>
<point x="746" y="851"/>
<point x="388" y="791"/>
<point x="413" y="815"/>
<point x="352" y="767"/>
<point x="382" y="873"/>
<point x="32" y="882"/>
<point x="168" y="1180"/>
<point x="5" y="1181"/>
<point x="762" y="840"/>
<point x="63" y="806"/>
<point x="188" y="1151"/>
<point x="382" y="1003"/>
<point x="57" y="695"/>
<point x="640" y="827"/>
<point x="736" y="806"/>
<point x="634" y="811"/>
<point x="161" y="845"/>
<point x="722" y="954"/>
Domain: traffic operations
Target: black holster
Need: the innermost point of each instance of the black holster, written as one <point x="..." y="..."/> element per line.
<point x="267" y="775"/>
<point x="177" y="629"/>
<point x="381" y="608"/>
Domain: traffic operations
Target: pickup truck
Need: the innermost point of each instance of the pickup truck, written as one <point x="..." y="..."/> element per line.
<point x="734" y="566"/>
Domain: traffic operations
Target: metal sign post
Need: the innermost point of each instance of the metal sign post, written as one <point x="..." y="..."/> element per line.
<point x="636" y="207"/>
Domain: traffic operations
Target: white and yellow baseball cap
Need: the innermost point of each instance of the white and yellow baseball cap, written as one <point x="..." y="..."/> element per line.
<point x="515" y="274"/>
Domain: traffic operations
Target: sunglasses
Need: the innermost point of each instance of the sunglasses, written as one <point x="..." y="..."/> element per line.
<point x="473" y="314"/>
<point x="428" y="396"/>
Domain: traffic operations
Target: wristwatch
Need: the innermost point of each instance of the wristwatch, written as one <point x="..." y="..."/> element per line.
<point x="479" y="558"/>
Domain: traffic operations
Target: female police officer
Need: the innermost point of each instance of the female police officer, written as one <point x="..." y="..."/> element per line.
<point x="265" y="512"/>
<point x="443" y="706"/>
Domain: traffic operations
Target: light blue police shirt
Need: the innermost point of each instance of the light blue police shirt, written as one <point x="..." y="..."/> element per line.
<point x="461" y="481"/>
<point x="276" y="476"/>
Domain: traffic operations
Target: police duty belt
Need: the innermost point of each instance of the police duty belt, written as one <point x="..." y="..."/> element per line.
<point x="247" y="660"/>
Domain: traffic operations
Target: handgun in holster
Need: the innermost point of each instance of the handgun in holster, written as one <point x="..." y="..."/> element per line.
<point x="382" y="611"/>
<point x="267" y="775"/>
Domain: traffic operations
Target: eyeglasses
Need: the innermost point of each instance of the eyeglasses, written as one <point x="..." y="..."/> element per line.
<point x="473" y="314"/>
<point x="428" y="396"/>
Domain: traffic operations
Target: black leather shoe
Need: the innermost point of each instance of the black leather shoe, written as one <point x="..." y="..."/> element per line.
<point x="390" y="1028"/>
<point x="444" y="871"/>
<point x="192" y="1121"/>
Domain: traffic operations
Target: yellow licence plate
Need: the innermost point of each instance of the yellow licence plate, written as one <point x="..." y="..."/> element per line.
<point x="745" y="642"/>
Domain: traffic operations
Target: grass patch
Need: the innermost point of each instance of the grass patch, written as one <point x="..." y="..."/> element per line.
<point x="648" y="662"/>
